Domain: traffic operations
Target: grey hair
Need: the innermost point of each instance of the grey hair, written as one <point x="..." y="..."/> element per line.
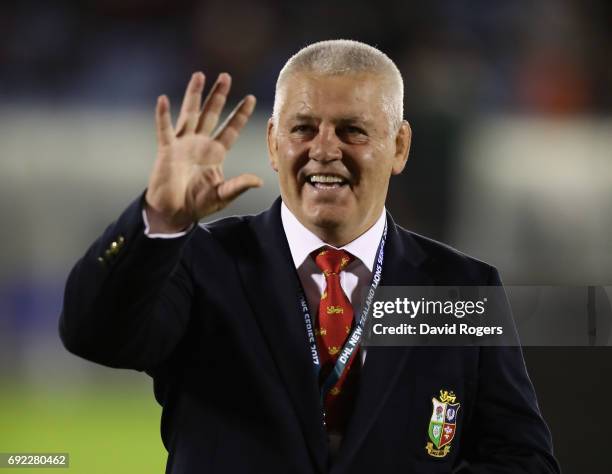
<point x="340" y="57"/>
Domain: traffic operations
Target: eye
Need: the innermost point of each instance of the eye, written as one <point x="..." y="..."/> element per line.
<point x="302" y="128"/>
<point x="354" y="130"/>
<point x="352" y="134"/>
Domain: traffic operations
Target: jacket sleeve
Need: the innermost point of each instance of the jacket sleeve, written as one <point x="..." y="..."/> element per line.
<point x="127" y="300"/>
<point x="507" y="433"/>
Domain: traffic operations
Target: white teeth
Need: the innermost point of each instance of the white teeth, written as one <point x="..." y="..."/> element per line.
<point x="325" y="178"/>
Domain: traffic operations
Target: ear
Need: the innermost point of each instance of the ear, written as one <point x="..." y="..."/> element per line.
<point x="402" y="147"/>
<point x="272" y="145"/>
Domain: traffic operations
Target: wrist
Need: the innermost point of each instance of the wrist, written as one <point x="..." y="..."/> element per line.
<point x="158" y="223"/>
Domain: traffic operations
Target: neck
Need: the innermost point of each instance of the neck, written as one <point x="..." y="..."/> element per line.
<point x="334" y="237"/>
<point x="339" y="235"/>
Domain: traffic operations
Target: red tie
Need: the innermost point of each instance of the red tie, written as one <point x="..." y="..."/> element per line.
<point x="332" y="328"/>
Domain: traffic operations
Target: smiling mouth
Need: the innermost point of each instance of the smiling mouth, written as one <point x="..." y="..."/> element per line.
<point x="326" y="181"/>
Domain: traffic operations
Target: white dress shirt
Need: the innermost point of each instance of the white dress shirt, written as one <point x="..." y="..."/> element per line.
<point x="353" y="279"/>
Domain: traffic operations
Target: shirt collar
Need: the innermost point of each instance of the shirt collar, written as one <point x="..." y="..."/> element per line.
<point x="303" y="242"/>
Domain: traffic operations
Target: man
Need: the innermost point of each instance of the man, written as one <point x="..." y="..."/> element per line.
<point x="240" y="322"/>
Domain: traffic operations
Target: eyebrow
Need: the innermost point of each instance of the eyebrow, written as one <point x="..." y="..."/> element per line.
<point x="348" y="120"/>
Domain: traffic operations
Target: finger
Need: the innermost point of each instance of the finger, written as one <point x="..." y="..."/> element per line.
<point x="190" y="109"/>
<point x="234" y="187"/>
<point x="229" y="131"/>
<point x="163" y="121"/>
<point x="214" y="103"/>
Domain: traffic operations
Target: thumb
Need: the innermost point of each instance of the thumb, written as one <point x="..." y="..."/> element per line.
<point x="234" y="187"/>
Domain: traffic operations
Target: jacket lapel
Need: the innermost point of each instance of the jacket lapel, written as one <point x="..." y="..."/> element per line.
<point x="272" y="285"/>
<point x="402" y="260"/>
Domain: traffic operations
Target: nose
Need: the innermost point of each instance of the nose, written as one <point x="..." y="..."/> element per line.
<point x="326" y="145"/>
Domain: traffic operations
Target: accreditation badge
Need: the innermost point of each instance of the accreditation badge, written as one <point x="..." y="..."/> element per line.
<point x="443" y="424"/>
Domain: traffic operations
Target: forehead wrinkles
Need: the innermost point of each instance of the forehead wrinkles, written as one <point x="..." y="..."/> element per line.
<point x="335" y="97"/>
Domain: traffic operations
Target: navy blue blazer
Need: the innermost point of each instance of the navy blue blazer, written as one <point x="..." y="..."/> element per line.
<point x="214" y="318"/>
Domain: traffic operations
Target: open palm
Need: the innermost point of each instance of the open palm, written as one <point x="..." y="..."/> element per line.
<point x="187" y="181"/>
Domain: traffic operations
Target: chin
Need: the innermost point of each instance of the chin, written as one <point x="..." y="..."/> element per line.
<point x="327" y="223"/>
<point x="327" y="217"/>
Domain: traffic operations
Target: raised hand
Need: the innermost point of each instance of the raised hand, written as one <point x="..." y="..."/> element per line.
<point x="187" y="181"/>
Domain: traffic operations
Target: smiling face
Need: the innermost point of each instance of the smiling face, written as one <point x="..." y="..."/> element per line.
<point x="334" y="148"/>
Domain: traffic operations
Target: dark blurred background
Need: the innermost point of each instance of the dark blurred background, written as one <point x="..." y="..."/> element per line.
<point x="510" y="104"/>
